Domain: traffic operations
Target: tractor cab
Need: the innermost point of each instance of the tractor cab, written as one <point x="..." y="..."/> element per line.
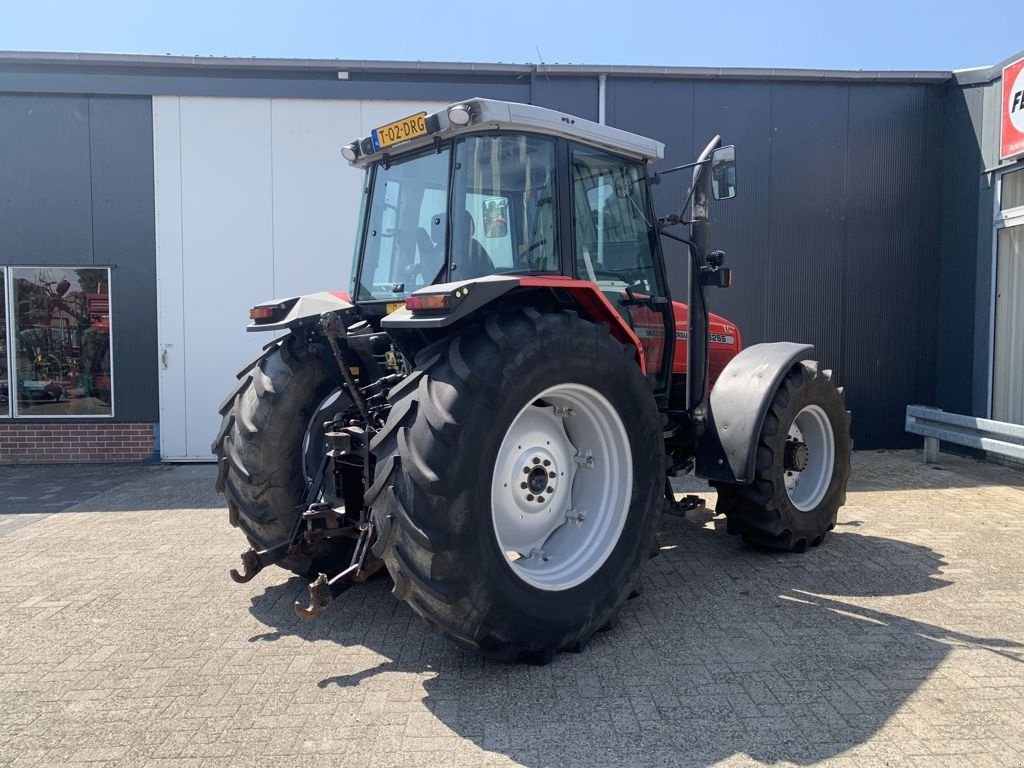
<point x="488" y="188"/>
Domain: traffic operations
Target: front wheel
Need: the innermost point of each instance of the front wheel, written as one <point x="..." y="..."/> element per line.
<point x="519" y="484"/>
<point x="802" y="466"/>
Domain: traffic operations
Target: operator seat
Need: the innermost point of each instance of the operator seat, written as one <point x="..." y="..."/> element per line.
<point x="468" y="254"/>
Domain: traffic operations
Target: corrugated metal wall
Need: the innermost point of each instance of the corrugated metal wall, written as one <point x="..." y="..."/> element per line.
<point x="860" y="223"/>
<point x="77" y="175"/>
<point x="835" y="235"/>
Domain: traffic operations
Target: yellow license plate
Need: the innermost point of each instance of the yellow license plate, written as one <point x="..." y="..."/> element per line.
<point x="401" y="130"/>
<point x="395" y="306"/>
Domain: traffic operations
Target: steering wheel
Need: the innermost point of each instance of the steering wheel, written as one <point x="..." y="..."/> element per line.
<point x="427" y="253"/>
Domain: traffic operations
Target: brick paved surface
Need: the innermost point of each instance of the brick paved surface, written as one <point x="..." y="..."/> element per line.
<point x="900" y="642"/>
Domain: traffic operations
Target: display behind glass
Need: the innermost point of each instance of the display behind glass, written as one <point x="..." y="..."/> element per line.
<point x="61" y="339"/>
<point x="5" y="387"/>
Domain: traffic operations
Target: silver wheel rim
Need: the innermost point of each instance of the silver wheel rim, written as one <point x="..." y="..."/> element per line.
<point x="807" y="487"/>
<point x="561" y="487"/>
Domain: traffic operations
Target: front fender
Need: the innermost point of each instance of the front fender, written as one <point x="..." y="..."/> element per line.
<point x="737" y="407"/>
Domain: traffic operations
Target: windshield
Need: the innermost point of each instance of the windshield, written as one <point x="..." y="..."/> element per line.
<point x="501" y="216"/>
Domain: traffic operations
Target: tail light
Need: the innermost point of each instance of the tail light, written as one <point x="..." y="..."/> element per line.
<point x="270" y="313"/>
<point x="436" y="302"/>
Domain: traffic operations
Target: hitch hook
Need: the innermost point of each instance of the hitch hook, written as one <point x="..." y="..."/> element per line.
<point x="251" y="565"/>
<point x="323" y="591"/>
<point x="320" y="598"/>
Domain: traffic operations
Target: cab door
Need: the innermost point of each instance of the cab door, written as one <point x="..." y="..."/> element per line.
<point x="615" y="246"/>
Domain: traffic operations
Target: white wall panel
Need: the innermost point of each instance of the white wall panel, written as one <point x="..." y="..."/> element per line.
<point x="227" y="242"/>
<point x="316" y="195"/>
<point x="170" y="312"/>
<point x="316" y="192"/>
<point x="1008" y="374"/>
<point x="253" y="202"/>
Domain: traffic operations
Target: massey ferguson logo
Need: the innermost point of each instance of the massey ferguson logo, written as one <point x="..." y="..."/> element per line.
<point x="1012" y="135"/>
<point x="1017" y="102"/>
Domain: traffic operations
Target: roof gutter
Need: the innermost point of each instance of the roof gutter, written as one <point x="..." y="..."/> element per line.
<point x="115" y="60"/>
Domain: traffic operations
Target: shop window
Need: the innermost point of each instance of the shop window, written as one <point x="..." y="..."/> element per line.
<point x="1012" y="190"/>
<point x="5" y="387"/>
<point x="60" y="337"/>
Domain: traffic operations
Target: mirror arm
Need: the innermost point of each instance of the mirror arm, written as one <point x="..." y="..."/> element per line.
<point x="685" y="241"/>
<point x="658" y="174"/>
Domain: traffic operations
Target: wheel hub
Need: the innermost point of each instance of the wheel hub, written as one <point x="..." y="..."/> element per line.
<point x="796" y="455"/>
<point x="809" y="457"/>
<point x="534" y="481"/>
<point x="537" y="480"/>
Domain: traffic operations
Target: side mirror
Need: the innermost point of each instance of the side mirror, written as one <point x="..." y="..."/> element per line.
<point x="723" y="173"/>
<point x="495" y="217"/>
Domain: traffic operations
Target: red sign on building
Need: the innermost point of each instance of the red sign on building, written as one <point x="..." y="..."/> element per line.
<point x="1012" y="135"/>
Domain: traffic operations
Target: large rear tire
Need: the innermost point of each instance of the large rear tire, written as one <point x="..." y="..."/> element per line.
<point x="520" y="573"/>
<point x="802" y="466"/>
<point x="261" y="450"/>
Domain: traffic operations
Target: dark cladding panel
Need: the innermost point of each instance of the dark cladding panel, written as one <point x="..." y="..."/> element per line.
<point x="575" y="95"/>
<point x="954" y="309"/>
<point x="887" y="261"/>
<point x="45" y="203"/>
<point x="662" y="110"/>
<point x="124" y="237"/>
<point x="78" y="192"/>
<point x="807" y="188"/>
<point x="930" y="238"/>
<point x="741" y="114"/>
<point x="833" y="234"/>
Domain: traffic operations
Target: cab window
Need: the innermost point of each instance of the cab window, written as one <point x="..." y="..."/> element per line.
<point x="504" y="217"/>
<point x="611" y="220"/>
<point x="406" y="227"/>
<point x="615" y="246"/>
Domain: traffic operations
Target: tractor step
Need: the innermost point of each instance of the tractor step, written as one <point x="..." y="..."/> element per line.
<point x="687" y="504"/>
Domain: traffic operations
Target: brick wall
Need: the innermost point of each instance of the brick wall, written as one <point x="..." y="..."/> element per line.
<point x="57" y="442"/>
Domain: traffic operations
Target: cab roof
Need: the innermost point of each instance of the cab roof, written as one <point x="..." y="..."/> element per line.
<point x="491" y="114"/>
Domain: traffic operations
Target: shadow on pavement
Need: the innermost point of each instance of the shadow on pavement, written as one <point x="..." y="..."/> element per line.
<point x="729" y="651"/>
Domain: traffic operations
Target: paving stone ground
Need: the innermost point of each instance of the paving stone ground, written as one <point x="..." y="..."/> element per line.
<point x="899" y="642"/>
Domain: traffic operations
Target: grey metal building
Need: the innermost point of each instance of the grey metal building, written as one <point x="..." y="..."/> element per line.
<point x="871" y="221"/>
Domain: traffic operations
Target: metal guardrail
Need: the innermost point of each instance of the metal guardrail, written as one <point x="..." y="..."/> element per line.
<point x="936" y="425"/>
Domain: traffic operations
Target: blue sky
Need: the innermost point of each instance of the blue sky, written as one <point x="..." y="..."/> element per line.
<point x="860" y="34"/>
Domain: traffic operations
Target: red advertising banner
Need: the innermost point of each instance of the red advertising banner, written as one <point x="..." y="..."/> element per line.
<point x="1012" y="135"/>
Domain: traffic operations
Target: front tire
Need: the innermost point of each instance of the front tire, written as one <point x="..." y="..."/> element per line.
<point x="802" y="466"/>
<point x="444" y="503"/>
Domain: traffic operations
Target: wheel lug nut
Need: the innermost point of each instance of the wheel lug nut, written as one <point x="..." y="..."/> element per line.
<point x="540" y="499"/>
<point x="549" y="490"/>
<point x="526" y="470"/>
<point x="547" y="462"/>
<point x="551" y="475"/>
<point x="536" y="460"/>
<point x="523" y="486"/>
<point x="529" y="497"/>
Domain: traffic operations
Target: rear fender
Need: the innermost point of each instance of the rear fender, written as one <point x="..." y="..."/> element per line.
<point x="737" y="407"/>
<point x="469" y="296"/>
<point x="302" y="310"/>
